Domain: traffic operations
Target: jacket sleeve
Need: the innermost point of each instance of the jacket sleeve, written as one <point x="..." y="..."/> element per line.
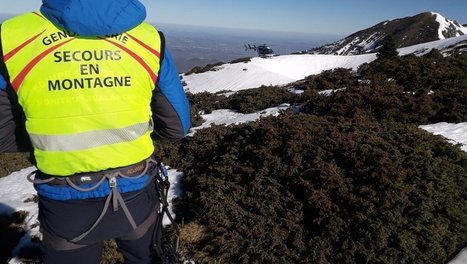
<point x="170" y="107"/>
<point x="13" y="136"/>
<point x="7" y="123"/>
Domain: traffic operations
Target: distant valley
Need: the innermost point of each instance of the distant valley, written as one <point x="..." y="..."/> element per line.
<point x="198" y="46"/>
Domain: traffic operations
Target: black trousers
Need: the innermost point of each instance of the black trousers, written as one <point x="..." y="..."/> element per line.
<point x="68" y="219"/>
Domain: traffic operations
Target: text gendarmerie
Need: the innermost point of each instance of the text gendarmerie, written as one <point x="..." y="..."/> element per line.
<point x="56" y="36"/>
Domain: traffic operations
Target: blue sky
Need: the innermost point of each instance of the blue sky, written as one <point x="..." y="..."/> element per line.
<point x="336" y="17"/>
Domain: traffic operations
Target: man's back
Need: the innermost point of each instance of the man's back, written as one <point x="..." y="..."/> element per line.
<point x="94" y="86"/>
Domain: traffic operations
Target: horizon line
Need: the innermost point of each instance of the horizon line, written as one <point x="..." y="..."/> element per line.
<point x="239" y="28"/>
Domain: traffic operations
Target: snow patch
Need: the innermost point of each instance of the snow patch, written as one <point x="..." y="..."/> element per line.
<point x="446" y="24"/>
<point x="231" y="117"/>
<point x="457" y="133"/>
<point x="278" y="70"/>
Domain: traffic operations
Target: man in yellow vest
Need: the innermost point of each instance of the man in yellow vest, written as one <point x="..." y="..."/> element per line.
<point x="92" y="85"/>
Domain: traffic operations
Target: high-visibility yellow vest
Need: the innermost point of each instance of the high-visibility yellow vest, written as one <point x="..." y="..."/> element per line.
<point x="86" y="99"/>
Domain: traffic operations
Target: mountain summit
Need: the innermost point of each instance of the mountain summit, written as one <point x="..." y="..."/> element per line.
<point x="408" y="31"/>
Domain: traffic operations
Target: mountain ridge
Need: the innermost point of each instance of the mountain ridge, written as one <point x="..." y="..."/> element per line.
<point x="407" y="31"/>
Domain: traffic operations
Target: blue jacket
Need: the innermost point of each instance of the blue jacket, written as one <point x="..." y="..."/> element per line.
<point x="171" y="113"/>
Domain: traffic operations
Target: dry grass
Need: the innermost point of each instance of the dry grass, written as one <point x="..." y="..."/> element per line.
<point x="191" y="233"/>
<point x="11" y="162"/>
<point x="111" y="255"/>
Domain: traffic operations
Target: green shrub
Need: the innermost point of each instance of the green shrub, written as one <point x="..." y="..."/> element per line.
<point x="307" y="189"/>
<point x="253" y="100"/>
<point x="378" y="101"/>
<point x="388" y="50"/>
<point x="207" y="102"/>
<point x="431" y="72"/>
<point x="245" y="101"/>
<point x="331" y="80"/>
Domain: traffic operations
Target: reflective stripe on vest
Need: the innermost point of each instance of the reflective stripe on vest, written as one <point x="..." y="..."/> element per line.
<point x="91" y="139"/>
<point x="86" y="99"/>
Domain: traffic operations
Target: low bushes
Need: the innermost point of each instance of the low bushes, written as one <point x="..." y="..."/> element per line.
<point x="386" y="100"/>
<point x="331" y="80"/>
<point x="307" y="189"/>
<point x="253" y="100"/>
<point x="245" y="101"/>
<point x="350" y="179"/>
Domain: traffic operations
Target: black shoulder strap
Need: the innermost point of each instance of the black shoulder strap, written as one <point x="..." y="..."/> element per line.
<point x="162" y="37"/>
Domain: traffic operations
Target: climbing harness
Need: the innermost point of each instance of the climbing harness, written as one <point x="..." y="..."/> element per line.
<point x="153" y="167"/>
<point x="168" y="251"/>
<point x="131" y="172"/>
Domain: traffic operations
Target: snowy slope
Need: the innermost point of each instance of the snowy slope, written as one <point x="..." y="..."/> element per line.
<point x="424" y="48"/>
<point x="278" y="70"/>
<point x="447" y="25"/>
<point x="284" y="69"/>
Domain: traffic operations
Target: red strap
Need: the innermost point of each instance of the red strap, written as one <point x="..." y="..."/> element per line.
<point x="20" y="78"/>
<point x="20" y="47"/>
<point x="137" y="58"/>
<point x="153" y="51"/>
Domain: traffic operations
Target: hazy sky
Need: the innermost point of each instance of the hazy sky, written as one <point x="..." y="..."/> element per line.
<point x="338" y="17"/>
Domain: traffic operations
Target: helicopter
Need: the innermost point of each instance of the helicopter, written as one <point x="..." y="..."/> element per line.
<point x="264" y="51"/>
